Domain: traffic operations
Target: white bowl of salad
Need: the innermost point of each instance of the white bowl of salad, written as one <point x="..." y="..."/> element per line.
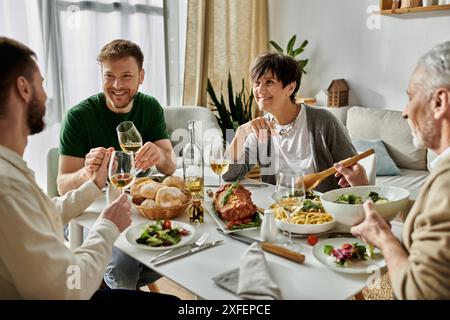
<point x="346" y="205"/>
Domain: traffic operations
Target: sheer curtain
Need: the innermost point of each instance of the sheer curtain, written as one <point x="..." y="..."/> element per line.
<point x="222" y="36"/>
<point x="86" y="26"/>
<point x="67" y="37"/>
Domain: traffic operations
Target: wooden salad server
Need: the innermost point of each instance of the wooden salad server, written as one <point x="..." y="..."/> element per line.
<point x="314" y="179"/>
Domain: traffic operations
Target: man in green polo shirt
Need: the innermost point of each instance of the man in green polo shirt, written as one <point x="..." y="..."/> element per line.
<point x="89" y="131"/>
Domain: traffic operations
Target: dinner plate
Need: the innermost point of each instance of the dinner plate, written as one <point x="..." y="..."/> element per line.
<point x="303" y="229"/>
<point x="360" y="267"/>
<point x="134" y="232"/>
<point x="222" y="223"/>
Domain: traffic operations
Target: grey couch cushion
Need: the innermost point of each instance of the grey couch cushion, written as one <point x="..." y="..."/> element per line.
<point x="387" y="125"/>
<point x="339" y="113"/>
<point x="412" y="180"/>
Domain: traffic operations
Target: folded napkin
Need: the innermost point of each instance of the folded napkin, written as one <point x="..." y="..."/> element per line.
<point x="252" y="280"/>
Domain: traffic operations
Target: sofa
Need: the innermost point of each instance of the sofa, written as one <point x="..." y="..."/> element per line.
<point x="393" y="130"/>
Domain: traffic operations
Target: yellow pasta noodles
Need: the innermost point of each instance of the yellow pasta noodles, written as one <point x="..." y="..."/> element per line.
<point x="310" y="212"/>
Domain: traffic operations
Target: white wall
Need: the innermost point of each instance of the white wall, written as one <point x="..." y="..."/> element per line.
<point x="376" y="63"/>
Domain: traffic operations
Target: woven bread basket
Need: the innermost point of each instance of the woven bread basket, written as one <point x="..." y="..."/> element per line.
<point x="165" y="213"/>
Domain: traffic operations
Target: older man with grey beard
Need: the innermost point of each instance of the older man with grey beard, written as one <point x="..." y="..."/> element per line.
<point x="419" y="267"/>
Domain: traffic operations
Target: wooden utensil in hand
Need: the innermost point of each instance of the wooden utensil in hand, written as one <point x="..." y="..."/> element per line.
<point x="314" y="179"/>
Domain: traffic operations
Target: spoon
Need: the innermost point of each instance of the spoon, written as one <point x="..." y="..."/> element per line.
<point x="314" y="179"/>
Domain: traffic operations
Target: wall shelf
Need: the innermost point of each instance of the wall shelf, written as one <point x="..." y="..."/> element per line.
<point x="386" y="8"/>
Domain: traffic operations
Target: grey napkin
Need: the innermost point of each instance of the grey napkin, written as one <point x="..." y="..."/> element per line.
<point x="252" y="280"/>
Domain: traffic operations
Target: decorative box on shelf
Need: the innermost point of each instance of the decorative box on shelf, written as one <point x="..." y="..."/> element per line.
<point x="338" y="93"/>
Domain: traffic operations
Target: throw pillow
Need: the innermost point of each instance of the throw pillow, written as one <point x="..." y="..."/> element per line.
<point x="385" y="165"/>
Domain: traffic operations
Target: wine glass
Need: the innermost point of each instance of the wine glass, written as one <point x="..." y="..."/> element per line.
<point x="130" y="139"/>
<point x="290" y="192"/>
<point x="121" y="170"/>
<point x="219" y="158"/>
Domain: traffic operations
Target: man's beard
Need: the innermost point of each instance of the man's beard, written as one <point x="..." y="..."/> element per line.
<point x="125" y="105"/>
<point x="423" y="139"/>
<point x="35" y="115"/>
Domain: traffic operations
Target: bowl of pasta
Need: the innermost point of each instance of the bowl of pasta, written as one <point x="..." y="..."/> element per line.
<point x="308" y="218"/>
<point x="346" y="205"/>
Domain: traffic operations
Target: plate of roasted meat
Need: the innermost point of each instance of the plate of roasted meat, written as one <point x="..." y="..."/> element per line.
<point x="233" y="209"/>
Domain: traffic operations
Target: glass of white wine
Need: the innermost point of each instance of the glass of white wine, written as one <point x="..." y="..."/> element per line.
<point x="290" y="192"/>
<point x="220" y="158"/>
<point x="130" y="139"/>
<point x="121" y="170"/>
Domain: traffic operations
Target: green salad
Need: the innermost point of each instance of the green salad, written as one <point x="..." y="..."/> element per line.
<point x="349" y="198"/>
<point x="161" y="234"/>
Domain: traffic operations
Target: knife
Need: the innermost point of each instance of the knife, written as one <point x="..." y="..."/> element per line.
<point x="189" y="252"/>
<point x="269" y="247"/>
<point x="248" y="185"/>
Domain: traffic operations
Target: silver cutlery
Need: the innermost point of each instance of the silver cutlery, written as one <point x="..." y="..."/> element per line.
<point x="269" y="247"/>
<point x="188" y="253"/>
<point x="200" y="241"/>
<point x="238" y="237"/>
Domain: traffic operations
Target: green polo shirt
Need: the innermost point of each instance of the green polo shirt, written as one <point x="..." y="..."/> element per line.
<point x="90" y="124"/>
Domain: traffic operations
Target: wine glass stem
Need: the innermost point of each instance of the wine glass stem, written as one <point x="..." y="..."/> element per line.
<point x="220" y="180"/>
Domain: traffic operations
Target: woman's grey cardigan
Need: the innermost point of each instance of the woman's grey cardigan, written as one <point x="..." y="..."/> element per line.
<point x="330" y="143"/>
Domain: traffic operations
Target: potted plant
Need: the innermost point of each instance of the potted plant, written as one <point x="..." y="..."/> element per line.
<point x="294" y="53"/>
<point x="238" y="110"/>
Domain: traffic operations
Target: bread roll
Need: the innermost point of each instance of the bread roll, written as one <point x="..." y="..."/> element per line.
<point x="149" y="190"/>
<point x="173" y="181"/>
<point x="148" y="204"/>
<point x="136" y="187"/>
<point x="170" y="197"/>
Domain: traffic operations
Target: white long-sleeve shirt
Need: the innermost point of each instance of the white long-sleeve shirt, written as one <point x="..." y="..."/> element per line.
<point x="34" y="262"/>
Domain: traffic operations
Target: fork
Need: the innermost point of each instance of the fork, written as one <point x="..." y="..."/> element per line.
<point x="200" y="241"/>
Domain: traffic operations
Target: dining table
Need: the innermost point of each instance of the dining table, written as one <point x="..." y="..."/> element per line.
<point x="311" y="280"/>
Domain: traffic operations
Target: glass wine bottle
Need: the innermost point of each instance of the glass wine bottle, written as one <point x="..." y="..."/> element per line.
<point x="193" y="170"/>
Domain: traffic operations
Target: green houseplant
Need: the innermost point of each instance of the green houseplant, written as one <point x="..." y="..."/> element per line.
<point x="238" y="110"/>
<point x="294" y="53"/>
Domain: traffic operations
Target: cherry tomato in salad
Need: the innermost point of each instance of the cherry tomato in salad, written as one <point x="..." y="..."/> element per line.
<point x="312" y="240"/>
<point x="167" y="224"/>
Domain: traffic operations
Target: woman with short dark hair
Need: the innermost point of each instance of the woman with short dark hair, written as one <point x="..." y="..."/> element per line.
<point x="289" y="135"/>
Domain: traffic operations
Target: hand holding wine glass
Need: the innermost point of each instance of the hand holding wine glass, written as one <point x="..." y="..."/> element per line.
<point x="100" y="176"/>
<point x="220" y="158"/>
<point x="130" y="139"/>
<point x="118" y="212"/>
<point x="121" y="170"/>
<point x="290" y="190"/>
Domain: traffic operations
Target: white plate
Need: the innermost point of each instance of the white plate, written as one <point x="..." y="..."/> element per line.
<point x="368" y="266"/>
<point x="134" y="232"/>
<point x="302" y="229"/>
<point x="220" y="222"/>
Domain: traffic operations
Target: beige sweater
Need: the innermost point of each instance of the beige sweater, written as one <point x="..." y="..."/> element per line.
<point x="426" y="237"/>
<point x="34" y="262"/>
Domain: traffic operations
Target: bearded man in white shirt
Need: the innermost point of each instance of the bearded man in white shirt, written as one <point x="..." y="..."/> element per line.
<point x="34" y="262"/>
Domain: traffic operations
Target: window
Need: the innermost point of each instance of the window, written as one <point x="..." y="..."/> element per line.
<point x="67" y="37"/>
<point x="86" y="26"/>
